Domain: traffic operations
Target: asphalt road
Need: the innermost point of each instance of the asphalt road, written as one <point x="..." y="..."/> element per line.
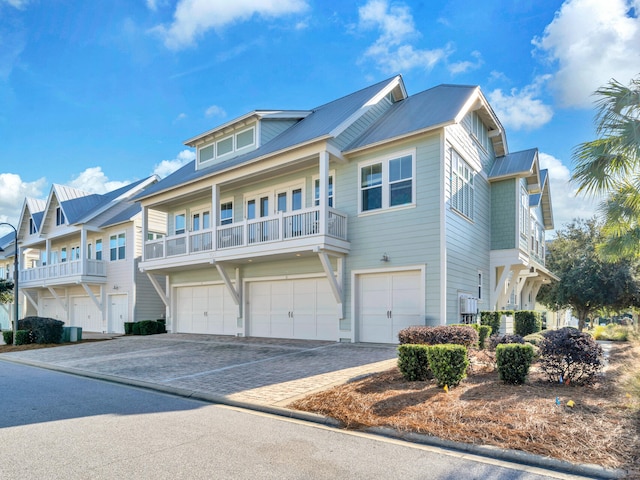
<point x="60" y="426"/>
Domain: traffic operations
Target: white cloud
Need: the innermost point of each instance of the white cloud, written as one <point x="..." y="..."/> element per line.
<point x="19" y="4"/>
<point x="566" y="206"/>
<point x="166" y="167"/>
<point x="465" y="66"/>
<point x="393" y="51"/>
<point x="93" y="180"/>
<point x="592" y="41"/>
<point x="520" y="109"/>
<point x="14" y="190"/>
<point x="193" y="18"/>
<point x="215" y="111"/>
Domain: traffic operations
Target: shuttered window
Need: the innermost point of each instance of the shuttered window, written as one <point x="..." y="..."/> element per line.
<point x="462" y="188"/>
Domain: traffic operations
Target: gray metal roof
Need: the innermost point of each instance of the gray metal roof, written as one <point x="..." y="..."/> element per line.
<point x="512" y="164"/>
<point x="317" y="125"/>
<point x="124" y="216"/>
<point x="430" y="108"/>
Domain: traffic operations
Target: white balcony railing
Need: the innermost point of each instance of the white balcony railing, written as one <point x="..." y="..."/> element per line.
<point x="283" y="227"/>
<point x="75" y="268"/>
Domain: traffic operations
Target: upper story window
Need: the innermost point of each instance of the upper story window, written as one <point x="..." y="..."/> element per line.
<point x="63" y="254"/>
<point x="117" y="247"/>
<point x="224" y="146"/>
<point x="479" y="130"/>
<point x="462" y="187"/>
<point x="316" y="191"/>
<point x="387" y="183"/>
<point x="226" y="213"/>
<point x="59" y="216"/>
<point x="179" y="223"/>
<point x="524" y="212"/>
<point x="99" y="249"/>
<point x="32" y="227"/>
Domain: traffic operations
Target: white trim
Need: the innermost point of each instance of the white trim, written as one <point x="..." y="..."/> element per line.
<point x="233" y="136"/>
<point x="442" y="277"/>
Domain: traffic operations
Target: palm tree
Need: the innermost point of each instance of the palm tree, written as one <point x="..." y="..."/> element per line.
<point x="610" y="166"/>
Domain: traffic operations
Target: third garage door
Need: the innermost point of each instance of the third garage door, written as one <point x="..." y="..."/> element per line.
<point x="302" y="308"/>
<point x="389" y="302"/>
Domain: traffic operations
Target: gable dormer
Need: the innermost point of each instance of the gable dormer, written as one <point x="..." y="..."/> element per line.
<point x="31" y="218"/>
<point x="242" y="135"/>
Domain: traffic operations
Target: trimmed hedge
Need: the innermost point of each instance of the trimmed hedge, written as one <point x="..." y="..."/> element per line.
<point x="145" y="327"/>
<point x="413" y="362"/>
<point x="23" y="337"/>
<point x="513" y="361"/>
<point x="148" y="327"/>
<point x="526" y="322"/>
<point x="43" y="329"/>
<point x="448" y="363"/>
<point x="128" y="328"/>
<point x="445" y="334"/>
<point x="491" y="319"/>
<point x="135" y="328"/>
<point x="483" y="332"/>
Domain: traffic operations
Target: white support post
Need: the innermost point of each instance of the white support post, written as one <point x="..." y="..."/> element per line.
<point x="227" y="281"/>
<point x="98" y="303"/>
<point x="215" y="213"/>
<point x="159" y="290"/>
<point x="336" y="288"/>
<point x="30" y="299"/>
<point x="83" y="249"/>
<point x="145" y="231"/>
<point x="324" y="191"/>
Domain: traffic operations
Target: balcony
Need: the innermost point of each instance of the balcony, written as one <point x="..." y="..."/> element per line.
<point x="64" y="273"/>
<point x="285" y="231"/>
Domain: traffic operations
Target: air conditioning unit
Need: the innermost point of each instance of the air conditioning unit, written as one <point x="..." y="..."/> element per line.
<point x="468" y="305"/>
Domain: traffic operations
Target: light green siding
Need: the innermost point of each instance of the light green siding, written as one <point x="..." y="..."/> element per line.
<point x="271" y="128"/>
<point x="503" y="214"/>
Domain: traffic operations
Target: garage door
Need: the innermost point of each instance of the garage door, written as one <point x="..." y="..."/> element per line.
<point x="304" y="309"/>
<point x="388" y="303"/>
<point x="51" y="308"/>
<point x="206" y="309"/>
<point x="85" y="314"/>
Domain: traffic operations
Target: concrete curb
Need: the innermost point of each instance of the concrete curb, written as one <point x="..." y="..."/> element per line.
<point x="514" y="456"/>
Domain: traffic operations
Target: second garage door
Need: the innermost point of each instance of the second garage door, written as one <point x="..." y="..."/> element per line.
<point x="303" y="308"/>
<point x="85" y="314"/>
<point x="389" y="302"/>
<point x="206" y="309"/>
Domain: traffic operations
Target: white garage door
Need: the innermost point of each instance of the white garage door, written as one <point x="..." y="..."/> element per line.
<point x="51" y="308"/>
<point x="206" y="309"/>
<point x="389" y="302"/>
<point x="118" y="312"/>
<point x="304" y="309"/>
<point x="85" y="314"/>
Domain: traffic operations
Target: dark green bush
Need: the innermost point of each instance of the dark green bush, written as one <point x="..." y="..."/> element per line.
<point x="162" y="325"/>
<point x="7" y="336"/>
<point x="526" y="322"/>
<point x="424" y="335"/>
<point x="135" y="328"/>
<point x="483" y="332"/>
<point x="570" y="355"/>
<point x="128" y="328"/>
<point x="493" y="319"/>
<point x="413" y="362"/>
<point x="448" y="363"/>
<point x="43" y="329"/>
<point x="513" y="361"/>
<point x="23" y="337"/>
<point x="496" y="339"/>
<point x="148" y="327"/>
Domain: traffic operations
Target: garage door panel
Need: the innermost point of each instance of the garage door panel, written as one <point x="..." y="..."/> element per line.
<point x="85" y="314"/>
<point x="205" y="309"/>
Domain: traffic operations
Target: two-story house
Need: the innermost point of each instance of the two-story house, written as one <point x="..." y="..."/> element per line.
<point x="7" y="249"/>
<point x="79" y="255"/>
<point x="348" y="221"/>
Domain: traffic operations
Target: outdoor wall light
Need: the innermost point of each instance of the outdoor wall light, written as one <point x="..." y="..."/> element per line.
<point x="385" y="257"/>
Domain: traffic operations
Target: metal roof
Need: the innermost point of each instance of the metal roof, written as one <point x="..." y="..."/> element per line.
<point x="124" y="216"/>
<point x="428" y="109"/>
<point x="514" y="164"/>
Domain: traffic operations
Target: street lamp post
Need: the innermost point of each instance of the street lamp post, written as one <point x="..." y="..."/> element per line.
<point x="16" y="274"/>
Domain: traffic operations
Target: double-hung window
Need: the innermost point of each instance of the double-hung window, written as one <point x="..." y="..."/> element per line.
<point x="59" y="216"/>
<point x="316" y="191"/>
<point x="226" y="213"/>
<point x="99" y="249"/>
<point x="117" y="247"/>
<point x="524" y="212"/>
<point x="387" y="183"/>
<point x="179" y="223"/>
<point x="462" y="188"/>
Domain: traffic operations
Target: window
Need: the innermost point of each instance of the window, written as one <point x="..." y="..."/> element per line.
<point x="479" y="130"/>
<point x="244" y="139"/>
<point x="32" y="227"/>
<point x="316" y="191"/>
<point x="99" y="249"/>
<point x="89" y="250"/>
<point x="524" y="212"/>
<point x="388" y="183"/>
<point x="200" y="221"/>
<point x="117" y="247"/>
<point x="226" y="145"/>
<point x="479" y="285"/>
<point x="59" y="216"/>
<point x="63" y="254"/>
<point x="75" y="253"/>
<point x="226" y="213"/>
<point x="462" y="188"/>
<point x="43" y="258"/>
<point x="206" y="153"/>
<point x="179" y="225"/>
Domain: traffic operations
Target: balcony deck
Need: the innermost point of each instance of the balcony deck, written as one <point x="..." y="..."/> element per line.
<point x="65" y="273"/>
<point x="290" y="231"/>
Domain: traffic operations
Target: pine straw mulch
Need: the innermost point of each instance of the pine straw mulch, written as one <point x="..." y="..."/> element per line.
<point x="4" y="348"/>
<point x="603" y="427"/>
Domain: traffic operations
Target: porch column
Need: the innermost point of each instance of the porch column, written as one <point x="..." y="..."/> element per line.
<point x="145" y="231"/>
<point x="215" y="213"/>
<point x="47" y="254"/>
<point x="83" y="248"/>
<point x="324" y="191"/>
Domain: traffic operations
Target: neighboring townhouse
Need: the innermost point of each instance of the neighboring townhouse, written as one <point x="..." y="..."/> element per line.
<point x="7" y="249"/>
<point x="349" y="221"/>
<point x="79" y="256"/>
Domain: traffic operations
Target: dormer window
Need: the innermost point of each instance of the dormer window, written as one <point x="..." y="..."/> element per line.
<point x="32" y="227"/>
<point x="59" y="216"/>
<point x="237" y="142"/>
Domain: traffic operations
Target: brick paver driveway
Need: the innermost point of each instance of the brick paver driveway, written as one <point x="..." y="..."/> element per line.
<point x="252" y="370"/>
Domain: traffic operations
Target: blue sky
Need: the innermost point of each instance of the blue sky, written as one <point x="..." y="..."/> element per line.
<point x="94" y="94"/>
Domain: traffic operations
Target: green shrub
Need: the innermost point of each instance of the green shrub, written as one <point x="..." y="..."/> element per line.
<point x="148" y="327"/>
<point x="613" y="332"/>
<point x="135" y="328"/>
<point x="128" y="328"/>
<point x="448" y="363"/>
<point x="7" y="336"/>
<point x="423" y="335"/>
<point x="413" y="362"/>
<point x="570" y="355"/>
<point x="513" y="361"/>
<point x="162" y="325"/>
<point x="483" y="333"/>
<point x="496" y="339"/>
<point x="43" y="329"/>
<point x="534" y="338"/>
<point x="492" y="319"/>
<point x="526" y="322"/>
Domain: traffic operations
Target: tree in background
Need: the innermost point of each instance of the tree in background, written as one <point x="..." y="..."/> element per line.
<point x="610" y="166"/>
<point x="587" y="282"/>
<point x="6" y="291"/>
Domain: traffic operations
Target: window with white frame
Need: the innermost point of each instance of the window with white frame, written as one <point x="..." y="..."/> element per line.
<point x="524" y="212"/>
<point x="117" y="246"/>
<point x="226" y="212"/>
<point x="32" y="227"/>
<point x="479" y="130"/>
<point x="479" y="285"/>
<point x="63" y="254"/>
<point x="387" y="183"/>
<point x="59" y="216"/>
<point x="316" y="191"/>
<point x="462" y="186"/>
<point x="99" y="249"/>
<point x="179" y="225"/>
<point x="235" y="142"/>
